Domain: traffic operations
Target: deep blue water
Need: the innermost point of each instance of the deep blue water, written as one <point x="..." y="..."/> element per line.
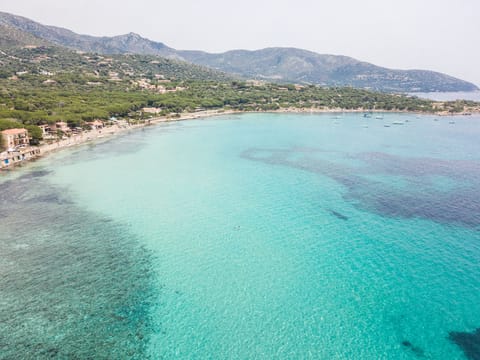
<point x="254" y="236"/>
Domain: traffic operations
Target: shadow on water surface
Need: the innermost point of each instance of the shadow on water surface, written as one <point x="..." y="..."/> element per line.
<point x="419" y="197"/>
<point x="73" y="284"/>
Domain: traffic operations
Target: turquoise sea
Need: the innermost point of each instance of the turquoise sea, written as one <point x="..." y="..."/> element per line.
<point x="255" y="236"/>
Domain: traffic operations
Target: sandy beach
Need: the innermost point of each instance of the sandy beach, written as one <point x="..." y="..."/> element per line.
<point x="110" y="131"/>
<point x="95" y="135"/>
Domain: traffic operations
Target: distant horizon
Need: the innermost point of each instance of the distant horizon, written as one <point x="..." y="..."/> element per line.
<point x="402" y="35"/>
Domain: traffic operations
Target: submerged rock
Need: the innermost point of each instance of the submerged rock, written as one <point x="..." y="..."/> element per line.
<point x="339" y="215"/>
<point x="418" y="351"/>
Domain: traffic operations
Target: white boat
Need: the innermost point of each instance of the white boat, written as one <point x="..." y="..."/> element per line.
<point x="398" y="122"/>
<point x="379" y="117"/>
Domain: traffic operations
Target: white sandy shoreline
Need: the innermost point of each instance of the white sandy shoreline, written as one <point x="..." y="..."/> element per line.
<point x="108" y="132"/>
<point x="97" y="135"/>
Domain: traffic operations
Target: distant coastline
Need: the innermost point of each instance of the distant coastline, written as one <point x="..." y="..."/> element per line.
<point x="449" y="96"/>
<point x="108" y="132"/>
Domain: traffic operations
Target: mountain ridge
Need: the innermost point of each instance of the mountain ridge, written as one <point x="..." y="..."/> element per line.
<point x="276" y="64"/>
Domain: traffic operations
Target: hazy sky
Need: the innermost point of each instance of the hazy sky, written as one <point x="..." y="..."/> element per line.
<point x="439" y="35"/>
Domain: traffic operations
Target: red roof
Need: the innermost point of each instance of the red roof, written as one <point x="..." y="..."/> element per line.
<point x="14" y="131"/>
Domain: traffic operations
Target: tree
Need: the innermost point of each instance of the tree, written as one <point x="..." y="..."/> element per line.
<point x="9" y="124"/>
<point x="36" y="134"/>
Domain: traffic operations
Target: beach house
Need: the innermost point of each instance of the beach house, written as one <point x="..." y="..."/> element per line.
<point x="47" y="132"/>
<point x="61" y="126"/>
<point x="15" y="137"/>
<point x="96" y="124"/>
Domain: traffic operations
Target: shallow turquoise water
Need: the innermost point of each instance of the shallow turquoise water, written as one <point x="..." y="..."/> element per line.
<point x="252" y="236"/>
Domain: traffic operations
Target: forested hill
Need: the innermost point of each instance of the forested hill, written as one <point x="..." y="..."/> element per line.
<point x="272" y="64"/>
<point x="54" y="63"/>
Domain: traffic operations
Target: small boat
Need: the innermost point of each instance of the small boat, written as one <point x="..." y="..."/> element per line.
<point x="367" y="115"/>
<point x="386" y="125"/>
<point x="379" y="117"/>
<point x="451" y="122"/>
<point x="398" y="122"/>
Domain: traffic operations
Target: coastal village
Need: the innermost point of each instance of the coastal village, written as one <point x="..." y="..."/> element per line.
<point x="17" y="142"/>
<point x="18" y="147"/>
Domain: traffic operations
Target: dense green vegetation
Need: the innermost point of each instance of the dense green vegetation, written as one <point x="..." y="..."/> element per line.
<point x="247" y="97"/>
<point x="9" y="124"/>
<point x="40" y="85"/>
<point x="74" y="103"/>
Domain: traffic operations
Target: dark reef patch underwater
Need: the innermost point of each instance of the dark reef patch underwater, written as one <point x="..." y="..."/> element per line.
<point x="468" y="342"/>
<point x="277" y="236"/>
<point x="73" y="284"/>
<point x="421" y="199"/>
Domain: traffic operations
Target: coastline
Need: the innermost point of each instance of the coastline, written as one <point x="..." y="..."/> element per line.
<point x="108" y="132"/>
<point x="95" y="135"/>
